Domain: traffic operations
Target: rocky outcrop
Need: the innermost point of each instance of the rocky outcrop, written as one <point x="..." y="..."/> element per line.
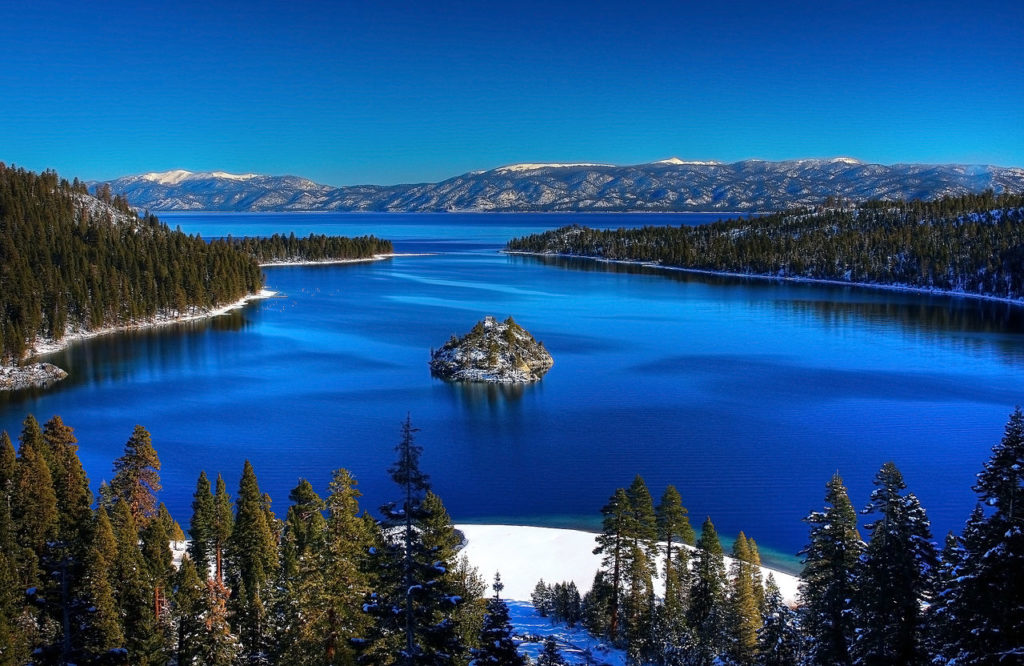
<point x="499" y="352"/>
<point x="35" y="375"/>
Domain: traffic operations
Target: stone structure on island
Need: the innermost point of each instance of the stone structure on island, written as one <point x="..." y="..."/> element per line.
<point x="497" y="352"/>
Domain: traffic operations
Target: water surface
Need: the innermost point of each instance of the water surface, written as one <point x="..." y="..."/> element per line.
<point x="745" y="394"/>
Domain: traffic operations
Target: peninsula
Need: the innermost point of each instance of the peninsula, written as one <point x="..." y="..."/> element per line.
<point x="493" y="351"/>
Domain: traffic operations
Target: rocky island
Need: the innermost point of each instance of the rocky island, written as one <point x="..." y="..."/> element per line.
<point x="34" y="375"/>
<point x="497" y="352"/>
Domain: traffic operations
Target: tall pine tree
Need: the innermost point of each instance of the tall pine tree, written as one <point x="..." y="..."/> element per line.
<point x="830" y="564"/>
<point x="895" y="577"/>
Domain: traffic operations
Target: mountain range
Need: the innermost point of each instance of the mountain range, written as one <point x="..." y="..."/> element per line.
<point x="666" y="185"/>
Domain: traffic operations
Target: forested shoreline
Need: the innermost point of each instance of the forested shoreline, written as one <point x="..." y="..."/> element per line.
<point x="97" y="583"/>
<point x="71" y="262"/>
<point x="971" y="244"/>
<point x="280" y="248"/>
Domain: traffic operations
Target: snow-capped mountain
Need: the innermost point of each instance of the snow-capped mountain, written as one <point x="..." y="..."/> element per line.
<point x="666" y="185"/>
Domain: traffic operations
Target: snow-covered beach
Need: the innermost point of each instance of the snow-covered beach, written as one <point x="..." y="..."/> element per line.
<point x="329" y="262"/>
<point x="523" y="555"/>
<point x="17" y="377"/>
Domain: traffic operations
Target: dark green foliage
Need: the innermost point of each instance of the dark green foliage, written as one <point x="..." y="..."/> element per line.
<point x="895" y="577"/>
<point x="223" y="526"/>
<point x="202" y="547"/>
<point x="66" y="261"/>
<point x="103" y="632"/>
<point x="252" y="564"/>
<point x="550" y="656"/>
<point x="972" y="243"/>
<point x="830" y="564"/>
<point x="744" y="614"/>
<point x="70" y="484"/>
<point x="136" y="478"/>
<point x="984" y="609"/>
<point x="613" y="544"/>
<point x="284" y="249"/>
<point x="414" y="607"/>
<point x="496" y="645"/>
<point x="779" y="642"/>
<point x="707" y="613"/>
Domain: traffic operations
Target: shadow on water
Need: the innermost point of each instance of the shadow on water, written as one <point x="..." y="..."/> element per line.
<point x="991" y="325"/>
<point x="494" y="396"/>
<point x="116" y="357"/>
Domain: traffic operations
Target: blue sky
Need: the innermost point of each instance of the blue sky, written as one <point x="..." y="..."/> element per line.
<point x="389" y="92"/>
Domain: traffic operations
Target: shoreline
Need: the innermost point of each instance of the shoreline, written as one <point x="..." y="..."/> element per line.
<point x="47" y="346"/>
<point x="524" y="554"/>
<point x="361" y="260"/>
<point x="925" y="291"/>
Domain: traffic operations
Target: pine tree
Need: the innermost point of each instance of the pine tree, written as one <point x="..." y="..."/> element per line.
<point x="641" y="568"/>
<point x="779" y="642"/>
<point x="202" y="546"/>
<point x="34" y="504"/>
<point x="612" y="545"/>
<point x="252" y="558"/>
<point x="541" y="598"/>
<point x="707" y="613"/>
<point x="189" y="611"/>
<point x="830" y="563"/>
<point x="220" y="646"/>
<point x="414" y="616"/>
<point x="223" y="526"/>
<point x="103" y="632"/>
<point x="136" y="477"/>
<point x="496" y="645"/>
<point x="744" y="611"/>
<point x="550" y="656"/>
<point x="673" y="528"/>
<point x="70" y="485"/>
<point x="144" y="638"/>
<point x="895" y="576"/>
<point x="985" y="608"/>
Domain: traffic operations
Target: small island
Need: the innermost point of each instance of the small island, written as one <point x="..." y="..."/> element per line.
<point x="497" y="352"/>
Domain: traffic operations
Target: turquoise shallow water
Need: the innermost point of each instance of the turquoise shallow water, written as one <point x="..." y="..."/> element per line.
<point x="745" y="394"/>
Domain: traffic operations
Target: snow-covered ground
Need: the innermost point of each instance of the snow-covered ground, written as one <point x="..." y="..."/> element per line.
<point x="576" y="644"/>
<point x="523" y="555"/>
<point x="49" y="345"/>
<point x="324" y="262"/>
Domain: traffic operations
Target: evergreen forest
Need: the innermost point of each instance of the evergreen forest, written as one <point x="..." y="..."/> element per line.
<point x="72" y="262"/>
<point x="971" y="244"/>
<point x="111" y="579"/>
<point x="892" y="596"/>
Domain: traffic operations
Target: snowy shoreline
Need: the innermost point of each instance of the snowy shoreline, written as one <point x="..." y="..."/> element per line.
<point x="783" y="278"/>
<point x="328" y="262"/>
<point x="24" y="376"/>
<point x="523" y="555"/>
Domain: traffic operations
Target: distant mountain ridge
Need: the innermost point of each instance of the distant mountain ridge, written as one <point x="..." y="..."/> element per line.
<point x="665" y="185"/>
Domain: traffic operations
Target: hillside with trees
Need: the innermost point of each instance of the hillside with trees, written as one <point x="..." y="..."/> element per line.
<point x="98" y="582"/>
<point x="71" y="262"/>
<point x="971" y="244"/>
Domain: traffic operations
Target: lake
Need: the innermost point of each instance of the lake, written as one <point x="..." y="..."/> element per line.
<point x="745" y="394"/>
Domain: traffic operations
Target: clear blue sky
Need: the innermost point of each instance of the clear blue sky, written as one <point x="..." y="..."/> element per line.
<point x="387" y="92"/>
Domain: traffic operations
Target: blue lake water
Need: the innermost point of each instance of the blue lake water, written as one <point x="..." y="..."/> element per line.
<point x="745" y="394"/>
